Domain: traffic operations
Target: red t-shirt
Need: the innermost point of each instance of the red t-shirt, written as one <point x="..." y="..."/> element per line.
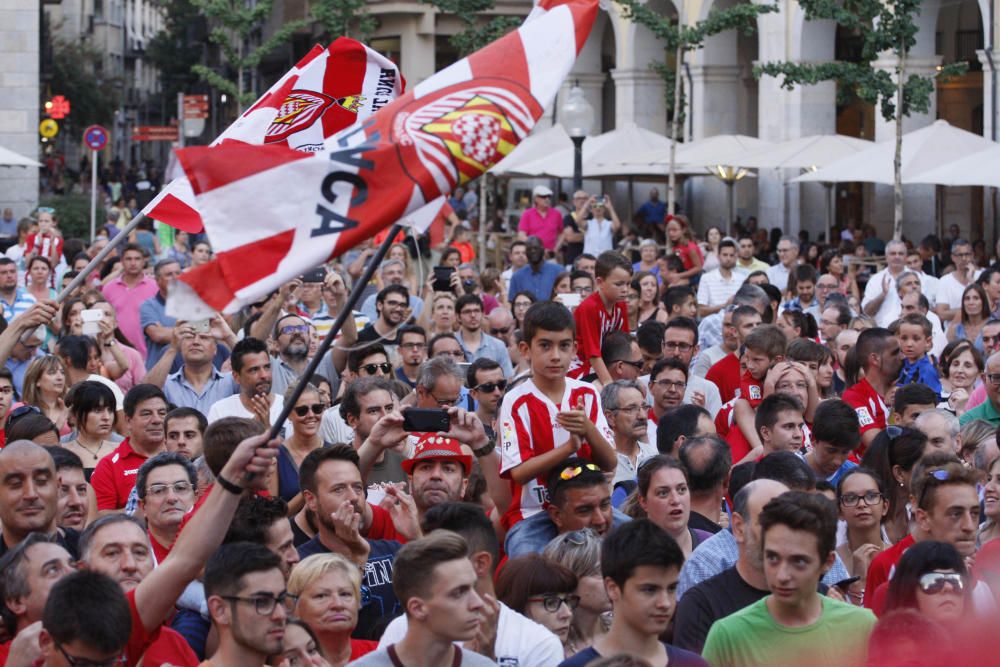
<point x="872" y="411"/>
<point x="360" y="647"/>
<point x="725" y="373"/>
<point x="881" y="568"/>
<point x="114" y="477"/>
<point x="382" y="528"/>
<point x="45" y="245"/>
<point x="160" y="552"/>
<point x="593" y="322"/>
<point x="751" y="389"/>
<point x="169" y="648"/>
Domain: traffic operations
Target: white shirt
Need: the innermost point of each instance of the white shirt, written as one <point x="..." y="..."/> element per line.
<point x="333" y="428"/>
<point x="713" y="400"/>
<point x="233" y="407"/>
<point x="889" y="311"/>
<point x="520" y="641"/>
<point x="646" y="450"/>
<point x="949" y="290"/>
<point x="598" y="237"/>
<point x="777" y="275"/>
<point x="715" y="290"/>
<point x="706" y="359"/>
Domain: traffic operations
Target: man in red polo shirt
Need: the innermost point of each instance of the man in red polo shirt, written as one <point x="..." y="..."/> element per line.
<point x="878" y="356"/>
<point x="114" y="477"/>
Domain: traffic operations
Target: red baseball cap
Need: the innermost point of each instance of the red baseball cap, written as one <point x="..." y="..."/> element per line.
<point x="432" y="447"/>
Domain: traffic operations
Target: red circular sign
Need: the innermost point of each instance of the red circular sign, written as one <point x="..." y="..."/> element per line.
<point x="96" y="137"/>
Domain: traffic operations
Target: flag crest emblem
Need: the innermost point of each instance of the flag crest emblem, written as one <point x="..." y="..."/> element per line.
<point x="352" y="103"/>
<point x="300" y="109"/>
<point x="477" y="134"/>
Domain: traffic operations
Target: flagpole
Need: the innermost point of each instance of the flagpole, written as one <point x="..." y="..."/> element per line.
<point x="345" y="312"/>
<point x="113" y="243"/>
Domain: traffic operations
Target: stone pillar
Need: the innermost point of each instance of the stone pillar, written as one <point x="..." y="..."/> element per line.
<point x="714" y="106"/>
<point x="640" y="98"/>
<point x="919" y="201"/>
<point x="19" y="37"/>
<point x="989" y="123"/>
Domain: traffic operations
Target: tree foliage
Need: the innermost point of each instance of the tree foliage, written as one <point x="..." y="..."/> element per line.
<point x="232" y="26"/>
<point x="344" y="18"/>
<point x="176" y="49"/>
<point x="476" y="32"/>
<point x="74" y="75"/>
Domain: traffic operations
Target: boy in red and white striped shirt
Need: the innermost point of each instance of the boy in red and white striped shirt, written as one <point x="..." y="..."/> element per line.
<point x="549" y="417"/>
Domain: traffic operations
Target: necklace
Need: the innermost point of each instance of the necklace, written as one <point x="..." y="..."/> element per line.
<point x="87" y="449"/>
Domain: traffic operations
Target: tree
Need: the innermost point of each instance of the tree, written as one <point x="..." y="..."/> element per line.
<point x="680" y="37"/>
<point x="232" y="25"/>
<point x="347" y="18"/>
<point x="885" y="26"/>
<point x="476" y="34"/>
<point x="176" y="49"/>
<point x="94" y="97"/>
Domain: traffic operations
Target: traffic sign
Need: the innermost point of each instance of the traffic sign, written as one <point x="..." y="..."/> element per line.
<point x="58" y="107"/>
<point x="155" y="133"/>
<point x="96" y="137"/>
<point x="48" y="128"/>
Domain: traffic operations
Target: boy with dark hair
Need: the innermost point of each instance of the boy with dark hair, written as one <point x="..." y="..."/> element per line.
<point x="640" y="564"/>
<point x="835" y="435"/>
<point x="794" y="625"/>
<point x="72" y="633"/>
<point x="915" y="336"/>
<point x="778" y="423"/>
<point x="725" y="373"/>
<point x="549" y="417"/>
<point x="649" y="335"/>
<point x="910" y="401"/>
<point x="600" y="313"/>
<point x="680" y="300"/>
<point x="763" y="347"/>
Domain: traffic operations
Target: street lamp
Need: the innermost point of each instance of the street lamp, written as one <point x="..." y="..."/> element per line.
<point x="577" y="118"/>
<point x="729" y="176"/>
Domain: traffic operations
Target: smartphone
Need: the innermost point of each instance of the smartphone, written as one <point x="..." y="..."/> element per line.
<point x="571" y="300"/>
<point x="317" y="275"/>
<point x="426" y="420"/>
<point x="442" y="278"/>
<point x="90" y="319"/>
<point x="843" y="584"/>
<point x="201" y="326"/>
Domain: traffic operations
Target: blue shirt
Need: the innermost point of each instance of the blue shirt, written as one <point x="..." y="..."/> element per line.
<point x="378" y="600"/>
<point x="489" y="348"/>
<point x="834" y="479"/>
<point x="154" y="311"/>
<point x="182" y="394"/>
<point x="22" y="301"/>
<point x="529" y="536"/>
<point x="652" y="212"/>
<point x="18" y="368"/>
<point x="921" y="371"/>
<point x="676" y="657"/>
<point x="539" y="283"/>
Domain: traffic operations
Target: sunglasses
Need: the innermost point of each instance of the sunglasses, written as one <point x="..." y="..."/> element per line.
<point x="45" y="209"/>
<point x="501" y="332"/>
<point x="940" y="475"/>
<point x="294" y="328"/>
<point x="371" y="369"/>
<point x="490" y="387"/>
<point x="303" y="410"/>
<point x="576" y="471"/>
<point x="933" y="583"/>
<point x="634" y="364"/>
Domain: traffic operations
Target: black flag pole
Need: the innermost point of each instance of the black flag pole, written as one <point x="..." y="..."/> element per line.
<point x="338" y="323"/>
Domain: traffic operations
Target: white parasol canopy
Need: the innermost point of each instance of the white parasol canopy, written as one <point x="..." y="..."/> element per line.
<point x="977" y="169"/>
<point x="9" y="158"/>
<point x="817" y="150"/>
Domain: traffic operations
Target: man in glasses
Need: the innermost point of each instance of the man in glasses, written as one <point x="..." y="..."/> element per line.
<point x="393" y="306"/>
<point x="441" y="384"/>
<point x="393" y="272"/>
<point x="946" y="508"/>
<point x="680" y="342"/>
<point x="625" y="408"/>
<point x="474" y="341"/>
<point x="166" y="487"/>
<point x="989" y="409"/>
<point x="487" y="384"/>
<point x="500" y="324"/>
<point x="788" y="257"/>
<point x="248" y="604"/>
<point x="412" y="353"/>
<point x="667" y="383"/>
<point x="291" y="339"/>
<point x="952" y="286"/>
<point x="622" y="356"/>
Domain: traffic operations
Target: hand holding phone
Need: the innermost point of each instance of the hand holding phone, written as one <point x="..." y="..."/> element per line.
<point x="426" y="420"/>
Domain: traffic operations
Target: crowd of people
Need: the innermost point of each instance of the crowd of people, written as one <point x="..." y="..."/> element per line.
<point x="631" y="444"/>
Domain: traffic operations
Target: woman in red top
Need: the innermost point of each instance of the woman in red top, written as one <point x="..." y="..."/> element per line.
<point x="328" y="588"/>
<point x="683" y="245"/>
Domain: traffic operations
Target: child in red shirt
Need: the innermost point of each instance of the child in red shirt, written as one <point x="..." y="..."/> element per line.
<point x="762" y="349"/>
<point x="601" y="313"/>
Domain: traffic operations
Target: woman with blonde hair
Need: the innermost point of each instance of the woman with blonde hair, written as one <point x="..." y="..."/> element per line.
<point x="400" y="252"/>
<point x="328" y="588"/>
<point x="45" y="387"/>
<point x="440" y="317"/>
<point x="580" y="551"/>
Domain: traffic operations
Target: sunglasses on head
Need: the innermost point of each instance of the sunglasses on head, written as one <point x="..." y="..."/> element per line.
<point x="303" y="410"/>
<point x="371" y="369"/>
<point x="933" y="583"/>
<point x="576" y="471"/>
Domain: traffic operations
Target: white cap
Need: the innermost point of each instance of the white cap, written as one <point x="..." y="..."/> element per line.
<point x="541" y="191"/>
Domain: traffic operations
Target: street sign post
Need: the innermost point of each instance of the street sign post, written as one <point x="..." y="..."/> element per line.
<point x="96" y="138"/>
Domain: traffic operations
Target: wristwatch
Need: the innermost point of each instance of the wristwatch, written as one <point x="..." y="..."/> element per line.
<point x="486" y="449"/>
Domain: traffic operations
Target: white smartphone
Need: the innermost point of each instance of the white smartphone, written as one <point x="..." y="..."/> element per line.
<point x="90" y="321"/>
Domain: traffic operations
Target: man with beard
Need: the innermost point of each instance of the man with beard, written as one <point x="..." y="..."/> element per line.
<point x="252" y="372"/>
<point x="185" y="428"/>
<point x="72" y="508"/>
<point x="736" y="587"/>
<point x="29" y="497"/>
<point x="248" y="604"/>
<point x="625" y="409"/>
<point x="393" y="306"/>
<point x="291" y="339"/>
<point x="878" y="355"/>
<point x="438" y="472"/>
<point x="334" y="491"/>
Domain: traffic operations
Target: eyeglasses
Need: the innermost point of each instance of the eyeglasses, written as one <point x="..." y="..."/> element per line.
<point x="933" y="583"/>
<point x="576" y="471"/>
<point x="629" y="409"/>
<point x="490" y="387"/>
<point x="670" y="384"/>
<point x="506" y="330"/>
<point x="413" y="346"/>
<point x="160" y="490"/>
<point x="294" y="328"/>
<point x="303" y="410"/>
<point x="265" y="604"/>
<point x="961" y="254"/>
<point x="446" y="402"/>
<point x="852" y="499"/>
<point x="371" y="369"/>
<point x="584" y="290"/>
<point x="940" y="474"/>
<point x="822" y="286"/>
<point x="552" y="602"/>
<point x="84" y="662"/>
<point x="993" y="378"/>
<point x="544" y="196"/>
<point x="634" y="364"/>
<point x="680" y="347"/>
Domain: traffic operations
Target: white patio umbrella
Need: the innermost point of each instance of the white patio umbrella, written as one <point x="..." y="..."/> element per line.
<point x="976" y="169"/>
<point x="536" y="145"/>
<point x="923" y="149"/>
<point x="9" y="158"/>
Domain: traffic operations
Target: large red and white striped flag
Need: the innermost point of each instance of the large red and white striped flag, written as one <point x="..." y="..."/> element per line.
<point x="272" y="213"/>
<point x="328" y="90"/>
